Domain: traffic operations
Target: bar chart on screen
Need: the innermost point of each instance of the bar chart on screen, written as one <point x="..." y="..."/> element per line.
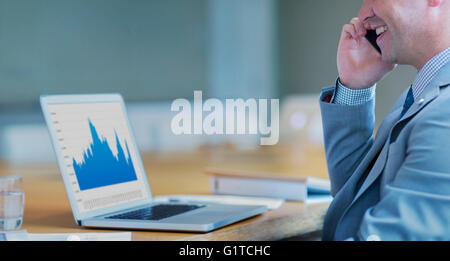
<point x="98" y="153"/>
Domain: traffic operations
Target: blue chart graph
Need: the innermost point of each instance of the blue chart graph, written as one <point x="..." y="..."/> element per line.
<point x="100" y="167"/>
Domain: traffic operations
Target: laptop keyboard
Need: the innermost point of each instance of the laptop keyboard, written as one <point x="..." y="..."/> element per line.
<point x="156" y="212"/>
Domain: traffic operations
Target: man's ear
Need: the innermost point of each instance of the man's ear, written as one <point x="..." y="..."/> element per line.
<point x="434" y="3"/>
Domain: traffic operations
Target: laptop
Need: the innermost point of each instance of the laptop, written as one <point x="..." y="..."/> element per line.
<point x="104" y="176"/>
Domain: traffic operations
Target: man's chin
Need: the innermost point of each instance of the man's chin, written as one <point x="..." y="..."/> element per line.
<point x="388" y="58"/>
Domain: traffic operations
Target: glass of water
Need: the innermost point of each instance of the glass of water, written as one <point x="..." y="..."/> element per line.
<point x="12" y="201"/>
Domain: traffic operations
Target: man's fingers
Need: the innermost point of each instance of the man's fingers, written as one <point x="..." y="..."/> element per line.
<point x="349" y="31"/>
<point x="359" y="26"/>
<point x="354" y="30"/>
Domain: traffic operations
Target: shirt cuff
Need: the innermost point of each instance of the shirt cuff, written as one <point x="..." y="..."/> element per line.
<point x="347" y="96"/>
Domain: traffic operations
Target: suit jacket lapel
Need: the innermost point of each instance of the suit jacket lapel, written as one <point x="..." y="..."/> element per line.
<point x="381" y="136"/>
<point x="428" y="95"/>
<point x="380" y="144"/>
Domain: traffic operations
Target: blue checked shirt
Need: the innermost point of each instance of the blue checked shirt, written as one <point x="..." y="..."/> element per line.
<point x="347" y="96"/>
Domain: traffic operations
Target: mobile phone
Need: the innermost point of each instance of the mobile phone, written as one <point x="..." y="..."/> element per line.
<point x="371" y="36"/>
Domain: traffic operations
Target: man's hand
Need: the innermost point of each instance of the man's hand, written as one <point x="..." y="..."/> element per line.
<point x="359" y="64"/>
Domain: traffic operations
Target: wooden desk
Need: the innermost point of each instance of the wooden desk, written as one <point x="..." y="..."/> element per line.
<point x="47" y="209"/>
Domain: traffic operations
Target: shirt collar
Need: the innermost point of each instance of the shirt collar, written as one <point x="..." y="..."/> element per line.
<point x="429" y="71"/>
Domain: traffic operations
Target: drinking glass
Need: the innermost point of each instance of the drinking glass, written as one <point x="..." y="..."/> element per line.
<point x="12" y="201"/>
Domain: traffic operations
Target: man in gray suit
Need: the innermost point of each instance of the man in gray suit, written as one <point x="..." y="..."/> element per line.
<point x="396" y="185"/>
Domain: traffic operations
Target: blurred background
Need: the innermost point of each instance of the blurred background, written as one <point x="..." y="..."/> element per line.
<point x="155" y="51"/>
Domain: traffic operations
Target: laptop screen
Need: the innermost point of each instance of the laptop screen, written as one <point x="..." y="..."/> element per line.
<point x="102" y="164"/>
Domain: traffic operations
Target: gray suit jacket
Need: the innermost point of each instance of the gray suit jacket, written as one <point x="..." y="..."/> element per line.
<point x="405" y="195"/>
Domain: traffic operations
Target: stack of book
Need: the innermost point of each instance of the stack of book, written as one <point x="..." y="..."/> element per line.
<point x="298" y="188"/>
